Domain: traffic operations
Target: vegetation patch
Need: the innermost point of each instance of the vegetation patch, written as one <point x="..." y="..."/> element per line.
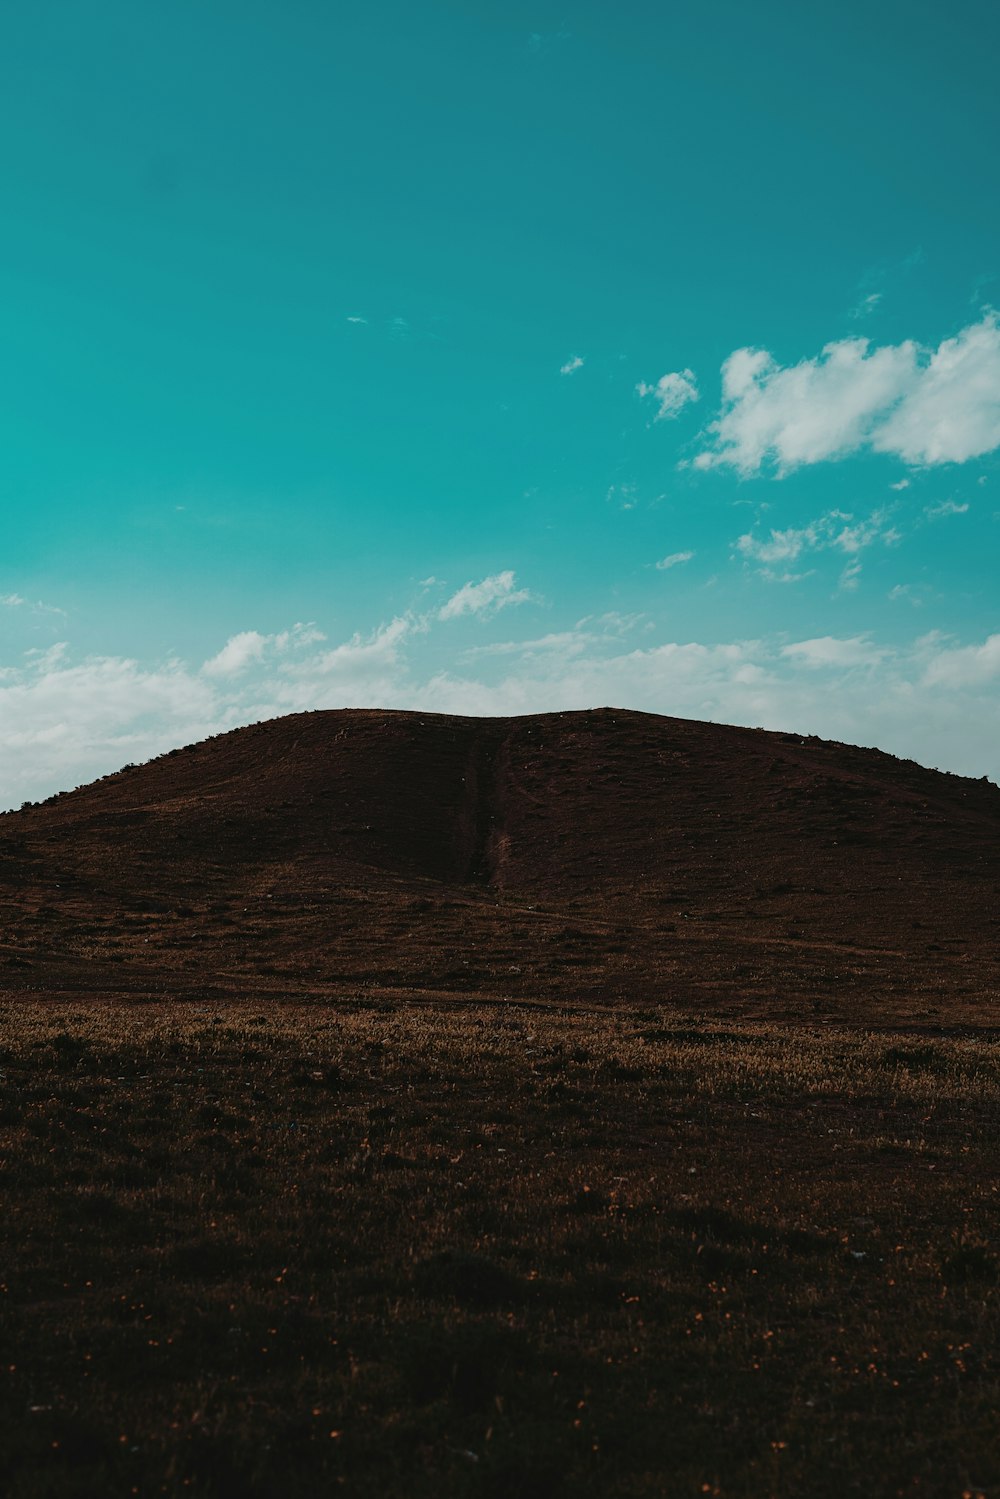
<point x="402" y="1250"/>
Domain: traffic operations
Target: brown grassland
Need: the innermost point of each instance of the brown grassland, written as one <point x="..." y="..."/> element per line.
<point x="406" y="1249"/>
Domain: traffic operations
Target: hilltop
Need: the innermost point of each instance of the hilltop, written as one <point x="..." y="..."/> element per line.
<point x="597" y="856"/>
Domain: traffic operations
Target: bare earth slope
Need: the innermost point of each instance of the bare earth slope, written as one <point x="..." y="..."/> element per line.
<point x="596" y="856"/>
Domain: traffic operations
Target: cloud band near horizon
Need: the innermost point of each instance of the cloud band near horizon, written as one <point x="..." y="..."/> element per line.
<point x="64" y="721"/>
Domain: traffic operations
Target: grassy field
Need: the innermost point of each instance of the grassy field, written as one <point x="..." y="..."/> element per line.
<point x="492" y="1251"/>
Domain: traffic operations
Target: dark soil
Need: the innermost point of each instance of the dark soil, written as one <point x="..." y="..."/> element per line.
<point x="412" y="1252"/>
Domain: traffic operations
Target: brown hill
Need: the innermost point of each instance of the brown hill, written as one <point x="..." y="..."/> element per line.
<point x="590" y="856"/>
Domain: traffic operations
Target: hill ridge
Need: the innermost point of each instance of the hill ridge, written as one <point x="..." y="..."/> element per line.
<point x="430" y="853"/>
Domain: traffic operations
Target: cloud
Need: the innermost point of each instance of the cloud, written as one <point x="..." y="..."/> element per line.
<point x="908" y="591"/>
<point x="672" y="393"/>
<point x="237" y="654"/>
<point x="866" y="305"/>
<point x="65" y="720"/>
<point x="571" y="365"/>
<point x="848" y="581"/>
<point x="674" y="560"/>
<point x="356" y="659"/>
<point x="829" y="651"/>
<point x="921" y="405"/>
<point x="946" y="507"/>
<point x="357" y="320"/>
<point x="565" y="642"/>
<point x="964" y="666"/>
<point x="623" y="495"/>
<point x="837" y="530"/>
<point x="18" y="601"/>
<point x="249" y="646"/>
<point x="489" y="596"/>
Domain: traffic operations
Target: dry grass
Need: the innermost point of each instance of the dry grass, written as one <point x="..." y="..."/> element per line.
<point x="491" y="1251"/>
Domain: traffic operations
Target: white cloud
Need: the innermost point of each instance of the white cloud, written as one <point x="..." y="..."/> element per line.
<point x="249" y="646"/>
<point x="964" y="666"/>
<point x="489" y="596"/>
<point x="829" y="651"/>
<point x="674" y="560"/>
<point x="18" y="601"/>
<point x="672" y="392"/>
<point x="866" y="305"/>
<point x="624" y="495"/>
<point x="946" y="507"/>
<point x="357" y="320"/>
<point x="921" y="405"/>
<point x="237" y="654"/>
<point x="952" y="411"/>
<point x="566" y="642"/>
<point x="836" y="531"/>
<point x="571" y="365"/>
<point x="64" y="721"/>
<point x="358" y="657"/>
<point x="909" y="592"/>
<point x="901" y="484"/>
<point x="848" y="581"/>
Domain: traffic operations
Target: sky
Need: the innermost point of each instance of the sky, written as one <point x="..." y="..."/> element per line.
<point x="498" y="358"/>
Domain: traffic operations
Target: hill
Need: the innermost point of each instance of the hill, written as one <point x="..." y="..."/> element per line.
<point x="598" y="856"/>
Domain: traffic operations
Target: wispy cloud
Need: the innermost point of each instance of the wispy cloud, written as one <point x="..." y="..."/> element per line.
<point x="674" y="560"/>
<point x="848" y="581"/>
<point x="626" y="496"/>
<point x="672" y="392"/>
<point x="571" y="365"/>
<point x="925" y="406"/>
<point x="489" y="596"/>
<point x="911" y="593"/>
<point x="867" y="305"/>
<point x="36" y="606"/>
<point x="946" y="507"/>
<point x="837" y="530"/>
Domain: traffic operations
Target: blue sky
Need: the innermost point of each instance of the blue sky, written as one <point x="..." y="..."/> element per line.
<point x="498" y="358"/>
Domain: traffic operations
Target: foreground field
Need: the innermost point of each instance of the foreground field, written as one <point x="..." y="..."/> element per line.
<point x="491" y="1251"/>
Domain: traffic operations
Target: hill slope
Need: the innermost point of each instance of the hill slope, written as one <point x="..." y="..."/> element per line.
<point x="579" y="856"/>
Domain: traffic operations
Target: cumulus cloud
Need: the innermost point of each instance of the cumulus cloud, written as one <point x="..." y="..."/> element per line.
<point x="237" y="654"/>
<point x="242" y="650"/>
<point x="571" y="365"/>
<point x="672" y="392"/>
<point x="489" y="596"/>
<point x="64" y="721"/>
<point x="674" y="560"/>
<point x="925" y="406"/>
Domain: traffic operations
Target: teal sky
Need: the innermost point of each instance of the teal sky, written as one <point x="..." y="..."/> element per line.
<point x="395" y="358"/>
